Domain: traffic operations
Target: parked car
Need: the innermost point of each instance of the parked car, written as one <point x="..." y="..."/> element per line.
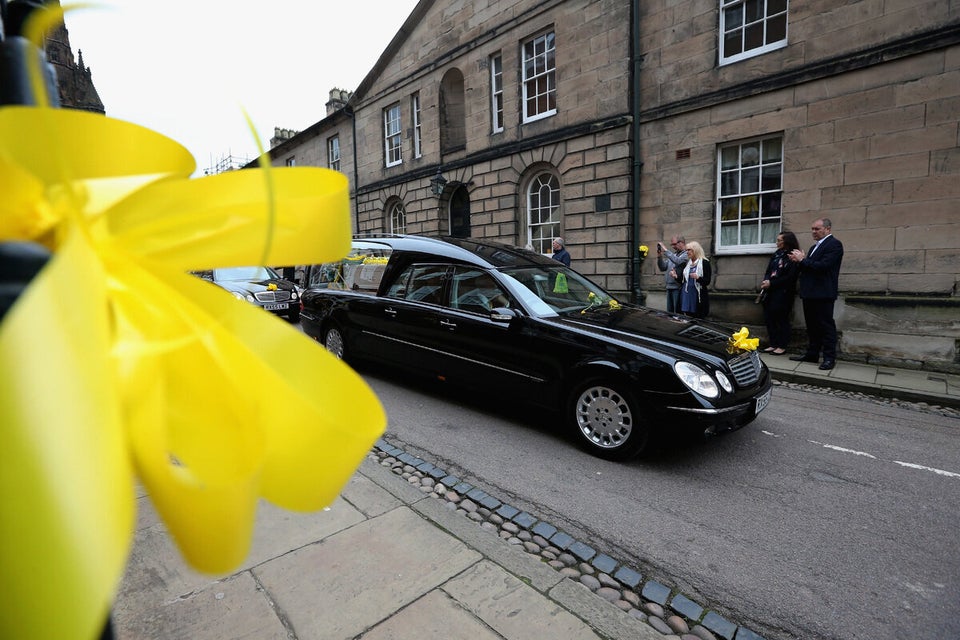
<point x="261" y="286"/>
<point x="514" y="323"/>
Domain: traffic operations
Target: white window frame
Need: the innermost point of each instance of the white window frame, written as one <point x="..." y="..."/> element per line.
<point x="417" y="129"/>
<point x="542" y="198"/>
<point x="292" y="161"/>
<point x="397" y="217"/>
<point x="734" y="23"/>
<point x="333" y="152"/>
<point x="496" y="93"/>
<point x="749" y="201"/>
<point x="392" y="136"/>
<point x="539" y="77"/>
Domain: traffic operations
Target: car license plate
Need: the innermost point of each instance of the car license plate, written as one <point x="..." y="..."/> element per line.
<point x="276" y="307"/>
<point x="762" y="402"/>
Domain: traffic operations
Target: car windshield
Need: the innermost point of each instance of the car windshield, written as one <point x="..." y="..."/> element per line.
<point x="562" y="289"/>
<point x="244" y="273"/>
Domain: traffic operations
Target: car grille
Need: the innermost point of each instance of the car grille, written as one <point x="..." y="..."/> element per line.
<point x="280" y="295"/>
<point x="746" y="368"/>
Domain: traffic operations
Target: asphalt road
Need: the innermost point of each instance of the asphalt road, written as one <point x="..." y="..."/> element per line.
<point x="825" y="518"/>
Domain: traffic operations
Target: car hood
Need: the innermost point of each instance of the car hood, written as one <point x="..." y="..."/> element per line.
<point x="254" y="286"/>
<point x="674" y="335"/>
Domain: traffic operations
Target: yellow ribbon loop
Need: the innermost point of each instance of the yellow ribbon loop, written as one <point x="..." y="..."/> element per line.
<point x="741" y="341"/>
<point x="114" y="361"/>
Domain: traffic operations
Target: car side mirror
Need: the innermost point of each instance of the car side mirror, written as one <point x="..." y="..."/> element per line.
<point x="503" y="314"/>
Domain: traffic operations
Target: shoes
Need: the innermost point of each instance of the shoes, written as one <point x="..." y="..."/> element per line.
<point x="827" y="365"/>
<point x="778" y="352"/>
<point x="804" y="358"/>
<point x="768" y="350"/>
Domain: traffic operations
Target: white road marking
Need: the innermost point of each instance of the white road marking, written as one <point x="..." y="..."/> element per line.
<point x="939" y="472"/>
<point x="843" y="450"/>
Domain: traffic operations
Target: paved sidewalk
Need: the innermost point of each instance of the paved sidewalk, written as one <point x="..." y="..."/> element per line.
<point x="384" y="561"/>
<point x="934" y="388"/>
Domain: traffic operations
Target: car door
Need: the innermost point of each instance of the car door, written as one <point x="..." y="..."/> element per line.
<point x="478" y="348"/>
<point x="404" y="324"/>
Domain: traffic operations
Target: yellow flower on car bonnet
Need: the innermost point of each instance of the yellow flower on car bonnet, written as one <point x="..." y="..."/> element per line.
<point x="741" y="341"/>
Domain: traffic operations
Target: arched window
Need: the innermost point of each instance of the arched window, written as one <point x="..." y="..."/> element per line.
<point x="543" y="211"/>
<point x="396" y="217"/>
<point x="453" y="129"/>
<point x="460" y="212"/>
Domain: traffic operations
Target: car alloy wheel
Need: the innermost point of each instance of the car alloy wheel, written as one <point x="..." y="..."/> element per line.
<point x="608" y="421"/>
<point x="333" y="341"/>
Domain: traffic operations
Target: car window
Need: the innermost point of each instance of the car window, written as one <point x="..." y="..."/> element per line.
<point x="244" y="273"/>
<point x="561" y="288"/>
<point x="476" y="290"/>
<point x="361" y="270"/>
<point x="422" y="283"/>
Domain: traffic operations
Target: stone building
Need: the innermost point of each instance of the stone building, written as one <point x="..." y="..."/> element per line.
<point x="618" y="123"/>
<point x="74" y="79"/>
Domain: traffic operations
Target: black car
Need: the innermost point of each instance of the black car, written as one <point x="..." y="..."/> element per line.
<point x="261" y="286"/>
<point x="511" y="321"/>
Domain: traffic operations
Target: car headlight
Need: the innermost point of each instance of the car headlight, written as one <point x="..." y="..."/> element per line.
<point x="724" y="382"/>
<point x="697" y="379"/>
<point x="238" y="295"/>
<point x="294" y="295"/>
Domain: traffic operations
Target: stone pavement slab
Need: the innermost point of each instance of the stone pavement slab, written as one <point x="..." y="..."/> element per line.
<point x="436" y="615"/>
<point x="511" y="608"/>
<point x="348" y="582"/>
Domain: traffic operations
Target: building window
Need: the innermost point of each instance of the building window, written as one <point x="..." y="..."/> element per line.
<point x="417" y="134"/>
<point x="749" y="195"/>
<point x="397" y="217"/>
<point x="333" y="153"/>
<point x="539" y="78"/>
<point x="543" y="212"/>
<point x="751" y="27"/>
<point x="292" y="161"/>
<point x="391" y="135"/>
<point x="496" y="93"/>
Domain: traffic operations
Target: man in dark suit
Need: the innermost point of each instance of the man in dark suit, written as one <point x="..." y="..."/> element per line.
<point x="818" y="287"/>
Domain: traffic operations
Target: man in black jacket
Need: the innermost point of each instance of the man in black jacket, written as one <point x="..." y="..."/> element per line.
<point x="818" y="287"/>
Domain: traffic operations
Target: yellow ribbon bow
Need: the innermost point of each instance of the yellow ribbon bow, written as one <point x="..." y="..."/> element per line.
<point x="739" y="340"/>
<point x="114" y="362"/>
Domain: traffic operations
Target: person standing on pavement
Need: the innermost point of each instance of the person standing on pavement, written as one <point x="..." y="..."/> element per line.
<point x="818" y="284"/>
<point x="695" y="291"/>
<point x="560" y="253"/>
<point x="777" y="291"/>
<point x="672" y="260"/>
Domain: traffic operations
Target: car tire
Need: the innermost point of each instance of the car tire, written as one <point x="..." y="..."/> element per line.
<point x="334" y="342"/>
<point x="607" y="420"/>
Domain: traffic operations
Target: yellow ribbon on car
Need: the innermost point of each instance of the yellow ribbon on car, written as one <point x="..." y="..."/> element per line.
<point x="118" y="366"/>
<point x="741" y="340"/>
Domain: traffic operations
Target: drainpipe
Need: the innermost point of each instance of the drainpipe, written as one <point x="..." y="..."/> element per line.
<point x="356" y="175"/>
<point x="636" y="61"/>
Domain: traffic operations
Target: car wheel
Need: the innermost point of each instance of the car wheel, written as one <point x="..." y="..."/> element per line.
<point x="333" y="341"/>
<point x="608" y="420"/>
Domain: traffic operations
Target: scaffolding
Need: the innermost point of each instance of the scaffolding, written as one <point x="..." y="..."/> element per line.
<point x="227" y="162"/>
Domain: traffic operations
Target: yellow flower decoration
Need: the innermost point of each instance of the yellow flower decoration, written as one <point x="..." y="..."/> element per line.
<point x="741" y="341"/>
<point x="614" y="305"/>
<point x="271" y="287"/>
<point x="115" y="362"/>
<point x="376" y="260"/>
<point x="644" y="250"/>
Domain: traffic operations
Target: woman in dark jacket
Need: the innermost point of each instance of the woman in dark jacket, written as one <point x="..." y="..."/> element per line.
<point x="778" y="290"/>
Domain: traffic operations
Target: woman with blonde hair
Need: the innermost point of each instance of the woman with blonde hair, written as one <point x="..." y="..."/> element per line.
<point x="694" y="291"/>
